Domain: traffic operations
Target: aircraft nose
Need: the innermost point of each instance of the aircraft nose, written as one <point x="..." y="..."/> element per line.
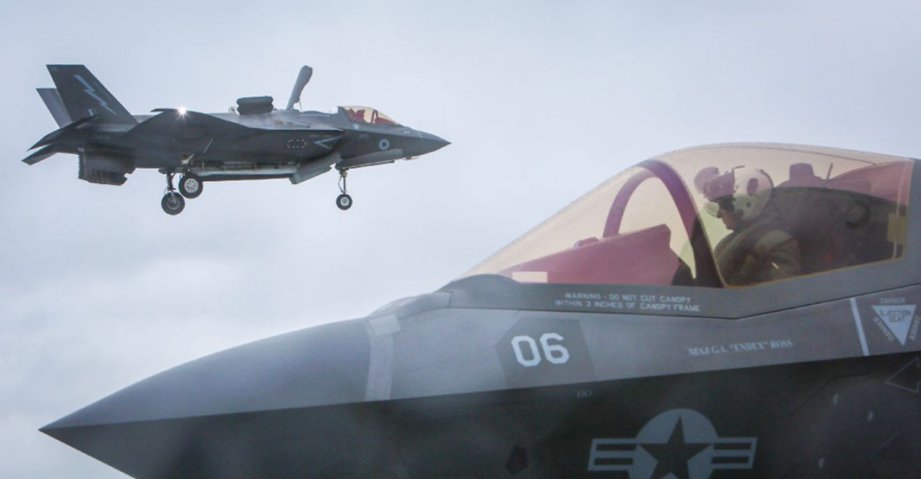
<point x="160" y="423"/>
<point x="437" y="141"/>
<point x="431" y="143"/>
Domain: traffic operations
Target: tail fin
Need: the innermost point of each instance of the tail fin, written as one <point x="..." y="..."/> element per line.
<point x="84" y="96"/>
<point x="55" y="105"/>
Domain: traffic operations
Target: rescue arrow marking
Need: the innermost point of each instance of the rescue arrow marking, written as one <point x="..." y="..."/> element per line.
<point x="908" y="377"/>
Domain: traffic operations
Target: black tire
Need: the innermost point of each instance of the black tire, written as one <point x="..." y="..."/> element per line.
<point x="172" y="203"/>
<point x="344" y="201"/>
<point x="191" y="186"/>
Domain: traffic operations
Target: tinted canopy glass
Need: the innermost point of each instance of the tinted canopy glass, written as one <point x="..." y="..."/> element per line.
<point x="364" y="114"/>
<point x="727" y="215"/>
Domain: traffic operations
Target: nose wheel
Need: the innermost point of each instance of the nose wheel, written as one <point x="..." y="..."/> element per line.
<point x="343" y="201"/>
<point x="172" y="203"/>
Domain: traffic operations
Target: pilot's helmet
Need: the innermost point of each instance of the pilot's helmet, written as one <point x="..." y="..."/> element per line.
<point x="743" y="190"/>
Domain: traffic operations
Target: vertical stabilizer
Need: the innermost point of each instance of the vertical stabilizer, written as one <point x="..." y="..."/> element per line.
<point x="84" y="96"/>
<point x="55" y="105"/>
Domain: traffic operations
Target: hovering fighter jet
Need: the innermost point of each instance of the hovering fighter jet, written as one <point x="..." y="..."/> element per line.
<point x="616" y="340"/>
<point x="253" y="141"/>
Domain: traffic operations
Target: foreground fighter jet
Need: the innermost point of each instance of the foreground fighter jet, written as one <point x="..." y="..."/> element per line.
<point x="253" y="141"/>
<point x="609" y="342"/>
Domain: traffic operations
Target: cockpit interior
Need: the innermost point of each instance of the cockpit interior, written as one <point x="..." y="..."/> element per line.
<point x="367" y="115"/>
<point x="721" y="216"/>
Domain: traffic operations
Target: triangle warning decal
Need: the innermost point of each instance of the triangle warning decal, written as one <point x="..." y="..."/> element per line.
<point x="898" y="318"/>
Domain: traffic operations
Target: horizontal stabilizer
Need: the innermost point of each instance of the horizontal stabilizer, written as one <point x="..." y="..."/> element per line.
<point x="84" y="96"/>
<point x="39" y="155"/>
<point x="55" y="105"/>
<point x="61" y="133"/>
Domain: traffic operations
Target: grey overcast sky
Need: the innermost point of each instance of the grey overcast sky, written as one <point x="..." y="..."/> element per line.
<point x="541" y="100"/>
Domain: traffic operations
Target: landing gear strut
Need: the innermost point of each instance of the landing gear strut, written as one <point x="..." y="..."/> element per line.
<point x="172" y="202"/>
<point x="343" y="201"/>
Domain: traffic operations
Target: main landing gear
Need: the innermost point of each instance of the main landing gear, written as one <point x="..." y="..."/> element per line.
<point x="343" y="201"/>
<point x="190" y="186"/>
<point x="172" y="202"/>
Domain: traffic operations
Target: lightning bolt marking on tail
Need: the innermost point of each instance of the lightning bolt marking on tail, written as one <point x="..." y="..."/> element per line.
<point x="92" y="93"/>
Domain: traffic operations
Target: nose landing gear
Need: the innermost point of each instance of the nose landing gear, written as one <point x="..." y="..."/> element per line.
<point x="343" y="201"/>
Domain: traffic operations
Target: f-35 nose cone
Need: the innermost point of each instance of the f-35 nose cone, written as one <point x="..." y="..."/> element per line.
<point x="438" y="142"/>
<point x="429" y="143"/>
<point x="234" y="413"/>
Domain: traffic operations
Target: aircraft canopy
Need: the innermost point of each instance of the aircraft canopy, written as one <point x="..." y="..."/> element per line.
<point x="809" y="210"/>
<point x="364" y="114"/>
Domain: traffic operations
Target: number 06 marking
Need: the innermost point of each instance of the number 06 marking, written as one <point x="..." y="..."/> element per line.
<point x="529" y="355"/>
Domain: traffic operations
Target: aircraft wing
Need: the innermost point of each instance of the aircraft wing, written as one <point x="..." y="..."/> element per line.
<point x="189" y="125"/>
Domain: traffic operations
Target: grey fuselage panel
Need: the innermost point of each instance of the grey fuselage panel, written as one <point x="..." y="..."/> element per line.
<point x="427" y="365"/>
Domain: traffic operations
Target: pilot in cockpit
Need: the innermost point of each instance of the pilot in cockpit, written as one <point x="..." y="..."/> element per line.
<point x="758" y="247"/>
